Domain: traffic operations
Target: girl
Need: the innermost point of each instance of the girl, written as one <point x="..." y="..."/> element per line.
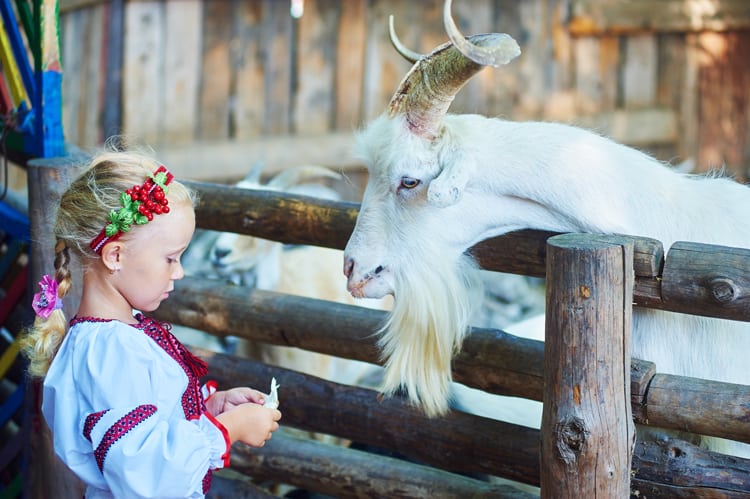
<point x="121" y="393"/>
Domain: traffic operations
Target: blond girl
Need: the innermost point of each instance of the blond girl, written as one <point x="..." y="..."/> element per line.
<point x="121" y="394"/>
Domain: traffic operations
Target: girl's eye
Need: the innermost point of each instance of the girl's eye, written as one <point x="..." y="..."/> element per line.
<point x="409" y="182"/>
<point x="172" y="260"/>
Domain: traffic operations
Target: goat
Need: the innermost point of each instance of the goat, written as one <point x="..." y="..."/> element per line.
<point x="440" y="183"/>
<point x="253" y="261"/>
<point x="309" y="271"/>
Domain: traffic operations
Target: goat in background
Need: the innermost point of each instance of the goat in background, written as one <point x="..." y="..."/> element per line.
<point x="309" y="271"/>
<point x="440" y="183"/>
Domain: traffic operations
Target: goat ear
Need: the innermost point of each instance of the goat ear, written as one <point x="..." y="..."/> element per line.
<point x="448" y="187"/>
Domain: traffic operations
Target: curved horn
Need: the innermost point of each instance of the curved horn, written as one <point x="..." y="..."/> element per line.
<point x="428" y="89"/>
<point x="406" y="53"/>
<point x="502" y="53"/>
<point x="294" y="176"/>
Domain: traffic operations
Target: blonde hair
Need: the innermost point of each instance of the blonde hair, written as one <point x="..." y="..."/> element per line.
<point x="83" y="212"/>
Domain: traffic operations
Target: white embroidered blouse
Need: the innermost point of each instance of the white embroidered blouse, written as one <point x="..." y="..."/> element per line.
<point x="128" y="414"/>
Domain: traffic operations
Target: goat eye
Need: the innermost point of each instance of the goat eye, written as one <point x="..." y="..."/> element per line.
<point x="409" y="183"/>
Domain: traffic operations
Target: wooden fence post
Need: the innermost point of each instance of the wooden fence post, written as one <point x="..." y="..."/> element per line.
<point x="587" y="426"/>
<point x="47" y="180"/>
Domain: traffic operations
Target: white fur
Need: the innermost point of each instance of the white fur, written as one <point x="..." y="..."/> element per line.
<point x="484" y="177"/>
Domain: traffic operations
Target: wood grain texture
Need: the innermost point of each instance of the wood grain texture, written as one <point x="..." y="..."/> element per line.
<point x="143" y="66"/>
<point x="216" y="71"/>
<point x="316" y="49"/>
<point x="249" y="88"/>
<point x="714" y="279"/>
<point x="182" y="69"/>
<point x="349" y="67"/>
<point x="587" y="428"/>
<point x="613" y="16"/>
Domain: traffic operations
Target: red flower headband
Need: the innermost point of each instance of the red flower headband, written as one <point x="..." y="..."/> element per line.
<point x="139" y="205"/>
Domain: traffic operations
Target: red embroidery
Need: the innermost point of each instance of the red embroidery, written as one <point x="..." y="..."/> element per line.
<point x="91" y="421"/>
<point x="193" y="403"/>
<point x="76" y="320"/>
<point x="120" y="428"/>
<point x="207" y="481"/>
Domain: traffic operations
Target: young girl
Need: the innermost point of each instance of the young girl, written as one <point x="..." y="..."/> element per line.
<point x="121" y="393"/>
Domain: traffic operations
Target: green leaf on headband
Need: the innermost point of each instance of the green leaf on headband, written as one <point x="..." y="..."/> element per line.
<point x="125" y="200"/>
<point x="110" y="230"/>
<point x="141" y="219"/>
<point x="125" y="217"/>
<point x="160" y="179"/>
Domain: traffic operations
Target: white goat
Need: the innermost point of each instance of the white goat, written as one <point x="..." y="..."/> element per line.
<point x="440" y="183"/>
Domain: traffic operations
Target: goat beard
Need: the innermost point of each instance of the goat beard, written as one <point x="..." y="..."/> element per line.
<point x="434" y="302"/>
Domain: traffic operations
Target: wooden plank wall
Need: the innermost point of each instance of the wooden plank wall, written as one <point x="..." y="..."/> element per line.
<point x="243" y="79"/>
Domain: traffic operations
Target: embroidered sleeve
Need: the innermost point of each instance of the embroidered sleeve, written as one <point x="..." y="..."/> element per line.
<point x="115" y="432"/>
<point x="138" y="453"/>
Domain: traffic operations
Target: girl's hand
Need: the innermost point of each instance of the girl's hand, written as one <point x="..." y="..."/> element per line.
<point x="250" y="423"/>
<point x="223" y="401"/>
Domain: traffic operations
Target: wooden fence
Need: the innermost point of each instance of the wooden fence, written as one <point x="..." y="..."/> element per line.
<point x="490" y="360"/>
<point x="215" y="85"/>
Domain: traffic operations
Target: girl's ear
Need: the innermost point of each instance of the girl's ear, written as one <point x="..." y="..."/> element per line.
<point x="111" y="256"/>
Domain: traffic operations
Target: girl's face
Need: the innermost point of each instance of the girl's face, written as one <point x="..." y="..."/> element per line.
<point x="150" y="261"/>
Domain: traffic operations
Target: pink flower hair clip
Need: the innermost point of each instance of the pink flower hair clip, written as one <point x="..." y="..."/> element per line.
<point x="46" y="300"/>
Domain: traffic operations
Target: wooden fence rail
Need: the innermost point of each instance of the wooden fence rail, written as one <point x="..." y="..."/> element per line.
<point x="490" y="360"/>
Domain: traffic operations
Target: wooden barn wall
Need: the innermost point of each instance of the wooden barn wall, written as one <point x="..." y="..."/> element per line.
<point x="214" y="85"/>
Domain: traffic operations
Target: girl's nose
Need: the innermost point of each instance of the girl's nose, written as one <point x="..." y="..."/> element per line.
<point x="179" y="272"/>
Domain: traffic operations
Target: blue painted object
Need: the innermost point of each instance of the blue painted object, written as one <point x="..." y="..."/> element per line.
<point x="14" y="223"/>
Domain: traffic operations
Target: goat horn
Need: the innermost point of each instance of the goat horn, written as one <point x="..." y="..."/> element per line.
<point x="405" y="52"/>
<point x="496" y="55"/>
<point x="428" y="89"/>
<point x="295" y="176"/>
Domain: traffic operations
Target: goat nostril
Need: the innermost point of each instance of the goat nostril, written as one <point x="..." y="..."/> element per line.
<point x="379" y="269"/>
<point x="348" y="267"/>
<point x="221" y="253"/>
